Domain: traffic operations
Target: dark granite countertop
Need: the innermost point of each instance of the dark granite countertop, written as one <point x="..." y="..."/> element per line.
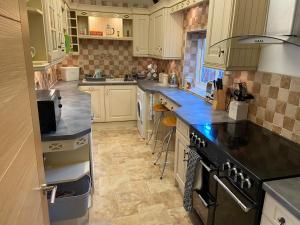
<point x="286" y="192"/>
<point x="192" y="110"/>
<point x="76" y="113"/>
<point x="93" y="83"/>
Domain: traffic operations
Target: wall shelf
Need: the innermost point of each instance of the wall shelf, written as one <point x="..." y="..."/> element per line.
<point x="105" y="38"/>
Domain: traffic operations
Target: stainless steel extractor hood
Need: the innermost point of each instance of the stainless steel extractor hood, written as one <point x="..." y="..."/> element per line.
<point x="283" y="26"/>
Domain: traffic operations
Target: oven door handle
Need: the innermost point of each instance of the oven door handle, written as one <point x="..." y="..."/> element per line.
<point x="236" y="199"/>
<point x="205" y="166"/>
<point x="203" y="201"/>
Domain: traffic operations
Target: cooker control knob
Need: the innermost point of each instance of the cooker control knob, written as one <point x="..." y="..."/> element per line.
<point x="233" y="172"/>
<point x="226" y="166"/>
<point x="194" y="139"/>
<point x="246" y="183"/>
<point x="203" y="143"/>
<point x="59" y="97"/>
<point x="192" y="135"/>
<point x="60" y="106"/>
<point x="241" y="176"/>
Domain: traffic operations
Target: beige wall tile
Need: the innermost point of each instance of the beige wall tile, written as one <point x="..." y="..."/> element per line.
<point x="285" y="82"/>
<point x="295" y="84"/>
<point x="297" y="127"/>
<point x="273" y="92"/>
<point x="271" y="104"/>
<point x="283" y="94"/>
<point x="275" y="80"/>
<point x="288" y="123"/>
<point x="294" y="97"/>
<point x="291" y="111"/>
<point x="280" y="107"/>
<point x="286" y="133"/>
<point x="278" y="119"/>
<point x="264" y="90"/>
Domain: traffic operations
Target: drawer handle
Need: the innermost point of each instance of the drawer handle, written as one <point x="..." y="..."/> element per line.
<point x="281" y="220"/>
<point x="53" y="188"/>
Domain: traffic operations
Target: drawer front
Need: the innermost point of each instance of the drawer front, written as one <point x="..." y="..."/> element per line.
<point x="74" y="206"/>
<point x="65" y="145"/>
<point x="183" y="128"/>
<point x="276" y="213"/>
<point x="167" y="103"/>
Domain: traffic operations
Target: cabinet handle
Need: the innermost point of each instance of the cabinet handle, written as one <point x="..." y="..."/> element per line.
<point x="281" y="220"/>
<point x="221" y="52"/>
<point x="45" y="188"/>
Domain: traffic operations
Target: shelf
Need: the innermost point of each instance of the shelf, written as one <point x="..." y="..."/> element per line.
<point x="68" y="173"/>
<point x="105" y="38"/>
<point x="32" y="10"/>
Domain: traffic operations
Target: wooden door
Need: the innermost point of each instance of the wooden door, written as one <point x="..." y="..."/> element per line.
<point x="140" y="35"/>
<point x="21" y="164"/>
<point x="120" y="103"/>
<point x="219" y="20"/>
<point x="181" y="144"/>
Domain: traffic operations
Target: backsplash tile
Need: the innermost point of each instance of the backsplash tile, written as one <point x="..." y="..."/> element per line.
<point x="277" y="101"/>
<point x="115" y="58"/>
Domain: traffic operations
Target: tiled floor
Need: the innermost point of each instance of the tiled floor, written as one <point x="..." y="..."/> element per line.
<point x="128" y="190"/>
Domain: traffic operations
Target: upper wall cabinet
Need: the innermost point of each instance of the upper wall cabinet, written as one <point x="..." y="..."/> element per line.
<point x="140" y="35"/>
<point x="54" y="29"/>
<point x="47" y="26"/>
<point x="165" y="34"/>
<point x="229" y="18"/>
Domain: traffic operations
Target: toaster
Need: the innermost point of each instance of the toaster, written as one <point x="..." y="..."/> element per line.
<point x="49" y="108"/>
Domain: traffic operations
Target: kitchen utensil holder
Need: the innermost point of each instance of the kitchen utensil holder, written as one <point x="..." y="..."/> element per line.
<point x="219" y="100"/>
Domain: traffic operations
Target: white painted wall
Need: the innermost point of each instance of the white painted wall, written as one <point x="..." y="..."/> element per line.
<point x="281" y="59"/>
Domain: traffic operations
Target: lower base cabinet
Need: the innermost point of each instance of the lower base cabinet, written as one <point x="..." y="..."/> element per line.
<point x="112" y="102"/>
<point x="181" y="151"/>
<point x="274" y="213"/>
<point x="120" y="103"/>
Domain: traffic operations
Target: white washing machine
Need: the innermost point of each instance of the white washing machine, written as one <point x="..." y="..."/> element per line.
<point x="141" y="112"/>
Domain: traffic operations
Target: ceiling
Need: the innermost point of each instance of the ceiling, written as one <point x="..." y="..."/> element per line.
<point x="122" y="3"/>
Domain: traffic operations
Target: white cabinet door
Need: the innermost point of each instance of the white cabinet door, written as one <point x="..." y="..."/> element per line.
<point x="151" y="35"/>
<point x="180" y="166"/>
<point x="219" y="27"/>
<point x="97" y="102"/>
<point x="158" y="32"/>
<point x="140" y="35"/>
<point x="54" y="29"/>
<point x="120" y="103"/>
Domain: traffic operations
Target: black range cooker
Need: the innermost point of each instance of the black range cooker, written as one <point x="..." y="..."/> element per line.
<point x="236" y="159"/>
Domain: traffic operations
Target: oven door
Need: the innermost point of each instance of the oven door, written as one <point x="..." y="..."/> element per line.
<point x="204" y="198"/>
<point x="233" y="208"/>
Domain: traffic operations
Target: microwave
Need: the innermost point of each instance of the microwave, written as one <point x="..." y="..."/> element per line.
<point x="49" y="108"/>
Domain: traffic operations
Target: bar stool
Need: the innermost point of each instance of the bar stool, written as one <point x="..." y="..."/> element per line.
<point x="170" y="122"/>
<point x="159" y="108"/>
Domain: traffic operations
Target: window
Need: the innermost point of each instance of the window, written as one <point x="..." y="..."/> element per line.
<point x="204" y="74"/>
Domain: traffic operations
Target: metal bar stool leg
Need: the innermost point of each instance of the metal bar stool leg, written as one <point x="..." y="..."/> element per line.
<point x="155" y="131"/>
<point x="162" y="148"/>
<point x="167" y="151"/>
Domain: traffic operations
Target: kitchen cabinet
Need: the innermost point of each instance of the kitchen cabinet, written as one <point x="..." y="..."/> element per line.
<point x="274" y="213"/>
<point x="165" y="34"/>
<point x="231" y="18"/>
<point x="97" y="102"/>
<point x="140" y="35"/>
<point x="120" y="103"/>
<point x="112" y="102"/>
<point x="54" y="29"/>
<point x="181" y="151"/>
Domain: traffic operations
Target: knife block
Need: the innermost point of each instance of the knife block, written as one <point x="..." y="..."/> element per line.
<point x="219" y="100"/>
